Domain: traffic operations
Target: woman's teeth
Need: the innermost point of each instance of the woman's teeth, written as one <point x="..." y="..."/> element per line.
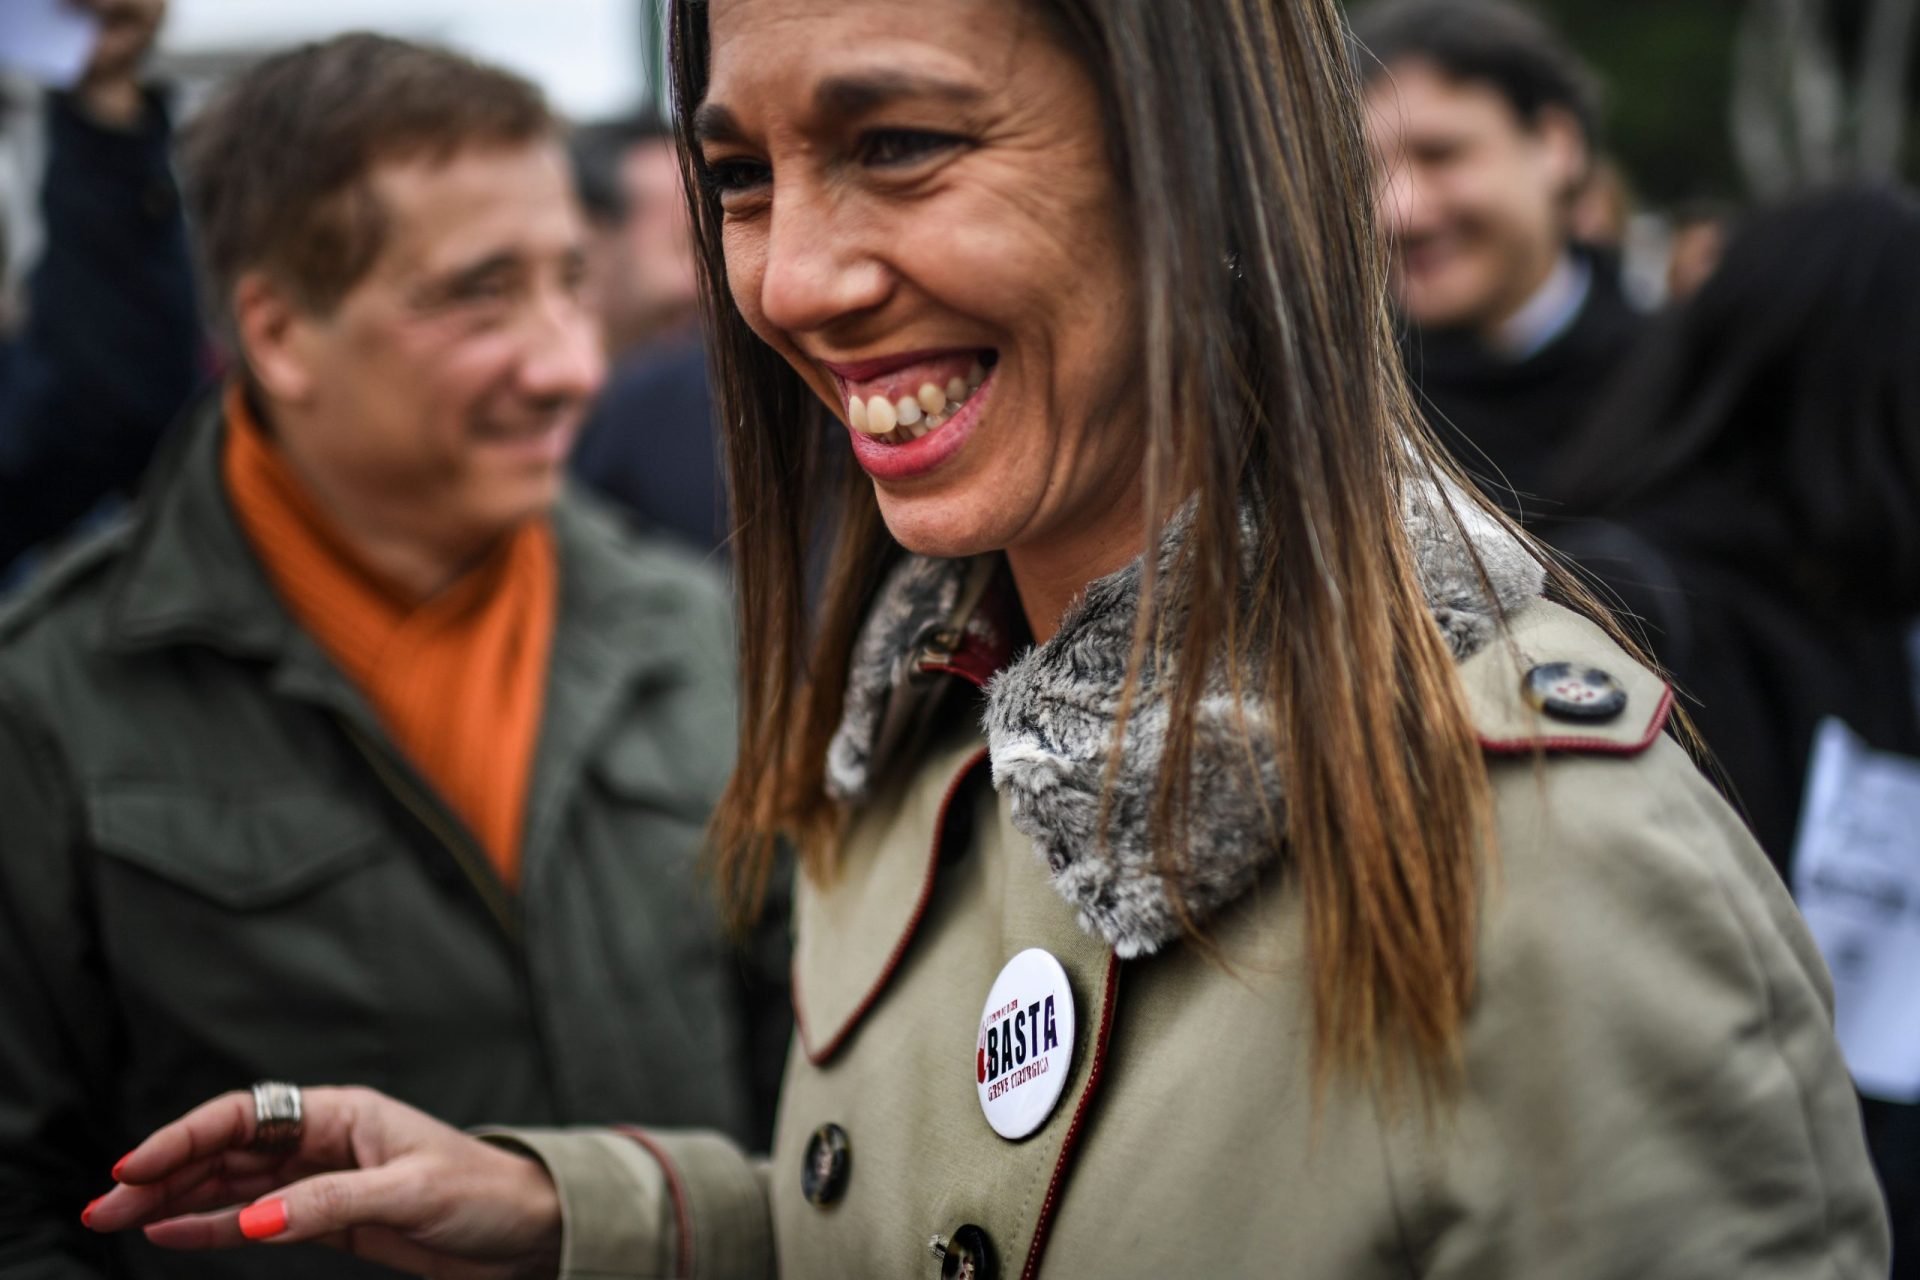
<point x="911" y="417"/>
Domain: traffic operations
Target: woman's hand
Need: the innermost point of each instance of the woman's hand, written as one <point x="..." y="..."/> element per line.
<point x="371" y="1176"/>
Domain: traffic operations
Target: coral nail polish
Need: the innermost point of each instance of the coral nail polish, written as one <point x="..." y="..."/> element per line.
<point x="86" y="1214"/>
<point x="120" y="1164"/>
<point x="263" y="1221"/>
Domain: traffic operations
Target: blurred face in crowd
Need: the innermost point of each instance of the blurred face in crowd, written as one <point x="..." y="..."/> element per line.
<point x="920" y="215"/>
<point x="1694" y="255"/>
<point x="643" y="278"/>
<point x="659" y="247"/>
<point x="125" y="33"/>
<point x="439" y="398"/>
<point x="1472" y="199"/>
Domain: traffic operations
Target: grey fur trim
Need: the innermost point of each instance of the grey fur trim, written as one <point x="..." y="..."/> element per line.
<point x="919" y="593"/>
<point x="1050" y="717"/>
<point x="1441" y="526"/>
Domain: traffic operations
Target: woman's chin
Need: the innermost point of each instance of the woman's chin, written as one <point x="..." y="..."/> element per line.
<point x="945" y="528"/>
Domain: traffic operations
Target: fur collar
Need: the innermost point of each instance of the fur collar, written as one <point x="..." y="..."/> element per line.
<point x="1050" y="714"/>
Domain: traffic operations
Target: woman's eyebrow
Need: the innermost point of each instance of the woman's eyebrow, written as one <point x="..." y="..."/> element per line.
<point x="855" y="94"/>
<point x="842" y="97"/>
<point x="713" y="122"/>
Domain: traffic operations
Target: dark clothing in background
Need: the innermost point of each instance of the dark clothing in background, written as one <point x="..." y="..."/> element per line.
<point x="1765" y="648"/>
<point x="111" y="350"/>
<point x="1508" y="421"/>
<point x="1763" y="659"/>
<point x="652" y="445"/>
<point x="216" y="867"/>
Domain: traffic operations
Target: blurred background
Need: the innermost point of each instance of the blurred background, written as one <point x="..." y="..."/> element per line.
<point x="1717" y="99"/>
<point x="1710" y="104"/>
<point x="596" y="59"/>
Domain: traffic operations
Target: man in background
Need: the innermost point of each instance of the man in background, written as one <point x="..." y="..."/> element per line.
<point x="650" y="444"/>
<point x="639" y="243"/>
<point x="1483" y="126"/>
<point x="361" y="751"/>
<point x="111" y="347"/>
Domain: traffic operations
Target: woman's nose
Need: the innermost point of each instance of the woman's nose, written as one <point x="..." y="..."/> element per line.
<point x="820" y="266"/>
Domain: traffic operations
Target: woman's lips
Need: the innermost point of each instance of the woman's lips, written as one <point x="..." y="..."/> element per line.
<point x="908" y="386"/>
<point x="906" y="403"/>
<point x="849" y="371"/>
<point x="905" y="452"/>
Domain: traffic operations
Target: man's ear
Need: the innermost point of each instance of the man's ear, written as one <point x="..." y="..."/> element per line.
<point x="270" y="327"/>
<point x="1569" y="156"/>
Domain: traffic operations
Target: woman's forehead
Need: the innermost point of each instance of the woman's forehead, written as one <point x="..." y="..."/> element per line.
<point x="790" y="46"/>
<point x="727" y="17"/>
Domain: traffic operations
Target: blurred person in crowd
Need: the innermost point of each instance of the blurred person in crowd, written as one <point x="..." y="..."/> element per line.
<point x="1483" y="125"/>
<point x="1699" y="240"/>
<point x="1164" y="671"/>
<point x="651" y="443"/>
<point x="640" y="252"/>
<point x="111" y="347"/>
<point x="1759" y="470"/>
<point x="362" y="752"/>
<point x="1602" y="211"/>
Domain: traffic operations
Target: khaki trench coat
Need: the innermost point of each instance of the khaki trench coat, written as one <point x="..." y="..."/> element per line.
<point x="1651" y="1087"/>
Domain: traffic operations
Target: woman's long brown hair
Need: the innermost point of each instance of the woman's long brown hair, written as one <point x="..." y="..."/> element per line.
<point x="1271" y="383"/>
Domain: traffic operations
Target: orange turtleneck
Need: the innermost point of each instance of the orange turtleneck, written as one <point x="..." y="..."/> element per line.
<point x="458" y="679"/>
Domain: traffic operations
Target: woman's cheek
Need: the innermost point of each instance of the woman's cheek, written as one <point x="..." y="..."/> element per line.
<point x="745" y="258"/>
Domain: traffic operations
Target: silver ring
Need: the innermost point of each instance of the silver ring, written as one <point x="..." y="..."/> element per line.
<point x="278" y="1117"/>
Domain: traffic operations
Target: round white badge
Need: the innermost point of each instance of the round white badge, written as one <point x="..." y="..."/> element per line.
<point x="1026" y="1044"/>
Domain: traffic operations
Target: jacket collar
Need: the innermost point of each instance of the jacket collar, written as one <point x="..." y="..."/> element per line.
<point x="1050" y="715"/>
<point x="191" y="578"/>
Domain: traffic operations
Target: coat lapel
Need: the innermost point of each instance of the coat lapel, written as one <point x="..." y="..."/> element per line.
<point x="852" y="935"/>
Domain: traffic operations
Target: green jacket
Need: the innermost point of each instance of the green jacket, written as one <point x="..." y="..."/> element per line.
<point x="1649" y="1084"/>
<point x="216" y="868"/>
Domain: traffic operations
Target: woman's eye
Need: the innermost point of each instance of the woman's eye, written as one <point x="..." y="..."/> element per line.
<point x="731" y="177"/>
<point x="887" y="148"/>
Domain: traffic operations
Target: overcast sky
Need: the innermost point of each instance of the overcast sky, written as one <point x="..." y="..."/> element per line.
<point x="586" y="53"/>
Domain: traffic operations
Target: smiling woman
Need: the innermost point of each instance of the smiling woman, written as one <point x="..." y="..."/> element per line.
<point x="948" y="229"/>
<point x="1166" y="709"/>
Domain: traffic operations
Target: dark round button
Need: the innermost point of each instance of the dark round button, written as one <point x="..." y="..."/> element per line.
<point x="1572" y="692"/>
<point x="969" y="1256"/>
<point x="828" y="1161"/>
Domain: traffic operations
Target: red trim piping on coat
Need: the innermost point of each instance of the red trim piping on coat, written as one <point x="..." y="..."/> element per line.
<point x="682" y="1212"/>
<point x="818" y="1057"/>
<point x="985" y="645"/>
<point x="1585" y="746"/>
<point x="972" y="677"/>
<point x="1044" y="1226"/>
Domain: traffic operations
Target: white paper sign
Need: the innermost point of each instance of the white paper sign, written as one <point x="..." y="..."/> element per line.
<point x="1857" y="876"/>
<point x="49" y="41"/>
